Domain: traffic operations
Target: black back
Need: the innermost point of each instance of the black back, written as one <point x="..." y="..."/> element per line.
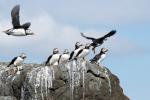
<point x="97" y="57"/>
<point x="59" y="59"/>
<point x="79" y="52"/>
<point x="48" y="59"/>
<point x="71" y="55"/>
<point x="26" y="25"/>
<point x="12" y="61"/>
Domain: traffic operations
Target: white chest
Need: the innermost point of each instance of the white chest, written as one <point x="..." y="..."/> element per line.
<point x="54" y="58"/>
<point x="64" y="58"/>
<point x="84" y="53"/>
<point x="102" y="57"/>
<point x="18" y="61"/>
<point x="18" y="31"/>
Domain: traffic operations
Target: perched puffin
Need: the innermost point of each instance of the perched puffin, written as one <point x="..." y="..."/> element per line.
<point x="64" y="57"/>
<point x="99" y="41"/>
<point x="18" y="30"/>
<point x="100" y="56"/>
<point x="17" y="61"/>
<point x="83" y="52"/>
<point x="53" y="59"/>
<point x="78" y="47"/>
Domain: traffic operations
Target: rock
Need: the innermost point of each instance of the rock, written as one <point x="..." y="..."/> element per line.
<point x="7" y="98"/>
<point x="71" y="81"/>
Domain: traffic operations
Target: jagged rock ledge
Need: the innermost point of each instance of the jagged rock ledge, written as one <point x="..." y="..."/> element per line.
<point x="72" y="81"/>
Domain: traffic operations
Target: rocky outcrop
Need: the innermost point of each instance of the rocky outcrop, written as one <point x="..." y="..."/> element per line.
<point x="79" y="80"/>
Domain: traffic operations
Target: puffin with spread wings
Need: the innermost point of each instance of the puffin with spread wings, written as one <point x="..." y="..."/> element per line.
<point x="18" y="30"/>
<point x="99" y="41"/>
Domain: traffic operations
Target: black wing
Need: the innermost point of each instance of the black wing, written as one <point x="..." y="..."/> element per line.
<point x="111" y="33"/>
<point x="15" y="16"/>
<point x="101" y="39"/>
<point x="79" y="52"/>
<point x="59" y="59"/>
<point x="26" y="25"/>
<point x="87" y="37"/>
<point x="96" y="57"/>
<point x="12" y="61"/>
<point x="48" y="59"/>
<point x="71" y="55"/>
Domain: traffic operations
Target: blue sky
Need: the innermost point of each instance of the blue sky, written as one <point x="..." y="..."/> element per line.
<point x="59" y="23"/>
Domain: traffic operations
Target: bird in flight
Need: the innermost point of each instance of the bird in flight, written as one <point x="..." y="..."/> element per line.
<point x="18" y="30"/>
<point x="99" y="41"/>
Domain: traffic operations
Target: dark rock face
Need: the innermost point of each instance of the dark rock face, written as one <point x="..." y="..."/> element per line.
<point x="72" y="81"/>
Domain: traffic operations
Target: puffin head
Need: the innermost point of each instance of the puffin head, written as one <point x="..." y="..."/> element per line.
<point x="55" y="51"/>
<point x="23" y="55"/>
<point x="78" y="44"/>
<point x="104" y="50"/>
<point x="66" y="51"/>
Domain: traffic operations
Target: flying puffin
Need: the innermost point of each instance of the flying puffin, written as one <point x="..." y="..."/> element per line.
<point x="99" y="41"/>
<point x="64" y="57"/>
<point x="78" y="47"/>
<point x="17" y="61"/>
<point x="100" y="56"/>
<point x="53" y="59"/>
<point x="83" y="52"/>
<point x="18" y="30"/>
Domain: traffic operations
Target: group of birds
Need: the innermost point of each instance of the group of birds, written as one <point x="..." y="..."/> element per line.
<point x="80" y="51"/>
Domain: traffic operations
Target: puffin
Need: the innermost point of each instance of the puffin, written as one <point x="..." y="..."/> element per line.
<point x="100" y="56"/>
<point x="83" y="52"/>
<point x="64" y="57"/>
<point x="78" y="47"/>
<point x="53" y="59"/>
<point x="18" y="29"/>
<point x="99" y="41"/>
<point x="17" y="61"/>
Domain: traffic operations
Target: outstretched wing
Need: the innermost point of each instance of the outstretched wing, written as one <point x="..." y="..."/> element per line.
<point x="12" y="61"/>
<point x="48" y="59"/>
<point x="87" y="37"/>
<point x="111" y="33"/>
<point x="101" y="39"/>
<point x="15" y="16"/>
<point x="26" y="25"/>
